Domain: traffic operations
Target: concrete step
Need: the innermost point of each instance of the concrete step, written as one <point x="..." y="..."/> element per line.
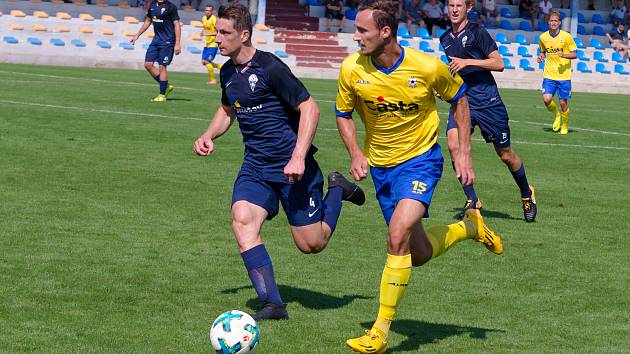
<point x="308" y="53"/>
<point x="294" y="25"/>
<point x="307" y="46"/>
<point x="291" y="40"/>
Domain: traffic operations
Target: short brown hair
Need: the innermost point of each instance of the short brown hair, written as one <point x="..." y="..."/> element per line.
<point x="239" y="14"/>
<point x="385" y="13"/>
<point x="555" y="13"/>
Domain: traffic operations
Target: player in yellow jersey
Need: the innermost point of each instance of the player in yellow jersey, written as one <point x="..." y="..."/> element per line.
<point x="210" y="50"/>
<point x="392" y="90"/>
<point x="557" y="48"/>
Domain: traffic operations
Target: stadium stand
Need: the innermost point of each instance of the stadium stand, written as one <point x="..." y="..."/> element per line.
<point x="281" y="54"/>
<point x="39" y="28"/>
<point x="523" y="52"/>
<point x="583" y="68"/>
<point x="77" y="43"/>
<point x="86" y="17"/>
<point x="619" y="69"/>
<point x="107" y="32"/>
<point x="426" y="47"/>
<point x="57" y="42"/>
<point x="194" y="50"/>
<point x="63" y="16"/>
<point x="40" y="14"/>
<point x="525" y="65"/>
<point x="599" y="56"/>
<point x="104" y="44"/>
<point x="16" y="27"/>
<point x="600" y="68"/>
<point x="126" y="45"/>
<point x="616" y="57"/>
<point x="582" y="56"/>
<point x="508" y="65"/>
<point x="10" y="40"/>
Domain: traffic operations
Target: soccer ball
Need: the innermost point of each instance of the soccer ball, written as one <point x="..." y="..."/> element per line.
<point x="234" y="332"/>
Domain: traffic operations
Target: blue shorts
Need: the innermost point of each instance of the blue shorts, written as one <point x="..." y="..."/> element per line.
<point x="492" y="121"/>
<point x="161" y="54"/>
<point x="415" y="179"/>
<point x="209" y="53"/>
<point x="563" y="87"/>
<point x="302" y="201"/>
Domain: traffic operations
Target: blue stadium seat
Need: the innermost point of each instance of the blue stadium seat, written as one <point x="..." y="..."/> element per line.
<point x="145" y="46"/>
<point x="542" y="26"/>
<point x="522" y="51"/>
<point x="444" y="59"/>
<point x="350" y="14"/>
<point x="583" y="68"/>
<point x="423" y="33"/>
<point x="563" y="15"/>
<point x="582" y="30"/>
<point x="525" y="26"/>
<point x="502" y="38"/>
<point x="34" y="41"/>
<point x="506" y="25"/>
<point x="126" y="46"/>
<point x="600" y="68"/>
<point x="440" y="32"/>
<point x="77" y="43"/>
<point x="581" y="18"/>
<point x="507" y="64"/>
<point x="404" y="43"/>
<point x="597" y="18"/>
<point x="616" y="57"/>
<point x="595" y="43"/>
<point x="541" y="65"/>
<point x="313" y="3"/>
<point x="620" y="70"/>
<point x="599" y="31"/>
<point x="599" y="56"/>
<point x="10" y="40"/>
<point x="403" y="32"/>
<point x="579" y="43"/>
<point x="536" y="39"/>
<point x="281" y="54"/>
<point x="582" y="56"/>
<point x="194" y="50"/>
<point x="426" y="47"/>
<point x="505" y="51"/>
<point x="57" y="42"/>
<point x="506" y="12"/>
<point x="525" y="65"/>
<point x="521" y="39"/>
<point x="104" y="44"/>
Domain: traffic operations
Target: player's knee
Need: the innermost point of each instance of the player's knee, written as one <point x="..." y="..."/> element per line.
<point x="396" y="241"/>
<point x="148" y="65"/>
<point x="311" y="249"/>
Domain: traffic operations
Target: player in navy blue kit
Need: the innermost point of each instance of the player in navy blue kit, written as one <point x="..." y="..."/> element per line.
<point x="278" y="119"/>
<point x="473" y="54"/>
<point x="163" y="14"/>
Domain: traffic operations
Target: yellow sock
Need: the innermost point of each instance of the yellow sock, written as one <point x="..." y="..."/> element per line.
<point x="217" y="65"/>
<point x="394" y="281"/>
<point x="565" y="116"/>
<point x="442" y="237"/>
<point x="552" y="108"/>
<point x="210" y="68"/>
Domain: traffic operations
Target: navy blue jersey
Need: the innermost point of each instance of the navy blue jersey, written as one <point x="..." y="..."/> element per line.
<point x="474" y="42"/>
<point x="162" y="16"/>
<point x="264" y="94"/>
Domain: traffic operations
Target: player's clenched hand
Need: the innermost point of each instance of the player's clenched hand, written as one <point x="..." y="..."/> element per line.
<point x="457" y="64"/>
<point x="294" y="170"/>
<point x="133" y="40"/>
<point x="540" y="58"/>
<point x="464" y="169"/>
<point x="178" y="49"/>
<point x="203" y="146"/>
<point x="359" y="166"/>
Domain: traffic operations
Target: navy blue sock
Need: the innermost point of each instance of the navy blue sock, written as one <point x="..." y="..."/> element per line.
<point x="163" y="86"/>
<point x="521" y="181"/>
<point x="332" y="207"/>
<point x="260" y="271"/>
<point x="468" y="190"/>
<point x="157" y="78"/>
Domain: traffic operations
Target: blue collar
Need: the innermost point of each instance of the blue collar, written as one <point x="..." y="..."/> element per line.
<point x="394" y="67"/>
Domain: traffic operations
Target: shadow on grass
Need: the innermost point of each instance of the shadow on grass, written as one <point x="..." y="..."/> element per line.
<point x="179" y="99"/>
<point x="490" y="214"/>
<point x="307" y="298"/>
<point x="419" y="333"/>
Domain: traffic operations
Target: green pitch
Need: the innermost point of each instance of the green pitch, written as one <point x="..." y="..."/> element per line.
<point x="115" y="237"/>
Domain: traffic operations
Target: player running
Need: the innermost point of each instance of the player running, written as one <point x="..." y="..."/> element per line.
<point x="210" y="50"/>
<point x="278" y="119"/>
<point x="163" y="14"/>
<point x="391" y="88"/>
<point x="473" y="54"/>
<point x="557" y="48"/>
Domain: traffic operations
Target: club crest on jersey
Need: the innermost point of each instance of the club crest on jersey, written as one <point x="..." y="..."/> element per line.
<point x="412" y="82"/>
<point x="363" y="82"/>
<point x="253" y="79"/>
<point x="162" y="11"/>
<point x="464" y="40"/>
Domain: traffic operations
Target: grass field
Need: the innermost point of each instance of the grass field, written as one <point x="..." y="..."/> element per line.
<point x="115" y="237"/>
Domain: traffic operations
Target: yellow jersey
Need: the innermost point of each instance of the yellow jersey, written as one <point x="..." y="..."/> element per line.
<point x="208" y="27"/>
<point x="557" y="68"/>
<point x="396" y="105"/>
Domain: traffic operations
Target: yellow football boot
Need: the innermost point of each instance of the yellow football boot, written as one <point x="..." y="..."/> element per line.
<point x="565" y="123"/>
<point x="556" y="123"/>
<point x="159" y="98"/>
<point x="372" y="342"/>
<point x="484" y="235"/>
